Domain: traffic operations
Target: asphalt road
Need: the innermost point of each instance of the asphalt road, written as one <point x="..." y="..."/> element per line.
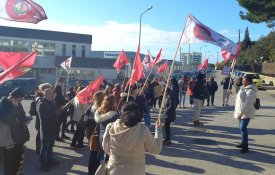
<point x="207" y="150"/>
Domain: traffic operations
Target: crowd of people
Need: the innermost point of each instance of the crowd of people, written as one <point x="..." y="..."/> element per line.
<point x="115" y="116"/>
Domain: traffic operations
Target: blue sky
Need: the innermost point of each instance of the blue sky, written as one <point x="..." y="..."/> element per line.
<point x="114" y="24"/>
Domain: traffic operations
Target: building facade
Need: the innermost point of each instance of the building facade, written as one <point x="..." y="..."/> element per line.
<point x="190" y="61"/>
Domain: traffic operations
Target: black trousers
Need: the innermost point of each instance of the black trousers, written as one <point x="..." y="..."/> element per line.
<point x="62" y="120"/>
<point x="167" y="129"/>
<point x="212" y="97"/>
<point x="94" y="162"/>
<point x="38" y="142"/>
<point x="78" y="135"/>
<point x="13" y="159"/>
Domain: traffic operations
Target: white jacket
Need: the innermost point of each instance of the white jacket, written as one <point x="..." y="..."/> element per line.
<point x="127" y="147"/>
<point x="245" y="101"/>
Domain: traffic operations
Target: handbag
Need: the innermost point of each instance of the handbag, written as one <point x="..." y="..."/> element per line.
<point x="102" y="169"/>
<point x="94" y="142"/>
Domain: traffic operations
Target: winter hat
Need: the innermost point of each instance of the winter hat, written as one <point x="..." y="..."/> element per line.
<point x="17" y="93"/>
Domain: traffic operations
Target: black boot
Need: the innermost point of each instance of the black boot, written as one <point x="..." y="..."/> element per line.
<point x="244" y="148"/>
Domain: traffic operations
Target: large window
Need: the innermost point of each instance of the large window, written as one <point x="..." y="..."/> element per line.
<point x="44" y="49"/>
<point x="13" y="46"/>
<point x="83" y="51"/>
<point x="63" y="49"/>
<point x="73" y="50"/>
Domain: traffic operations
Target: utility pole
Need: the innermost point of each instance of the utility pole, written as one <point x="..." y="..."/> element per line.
<point x="239" y="39"/>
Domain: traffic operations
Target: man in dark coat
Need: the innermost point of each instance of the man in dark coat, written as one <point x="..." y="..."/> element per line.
<point x="46" y="110"/>
<point x="169" y="115"/>
<point x="12" y="133"/>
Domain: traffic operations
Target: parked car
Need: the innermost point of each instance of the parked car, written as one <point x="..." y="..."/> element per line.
<point x="256" y="79"/>
<point x="27" y="84"/>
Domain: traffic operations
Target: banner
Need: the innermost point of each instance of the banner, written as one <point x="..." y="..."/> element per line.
<point x="148" y="61"/>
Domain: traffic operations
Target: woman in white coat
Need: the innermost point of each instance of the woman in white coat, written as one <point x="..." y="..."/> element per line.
<point x="126" y="141"/>
<point x="245" y="110"/>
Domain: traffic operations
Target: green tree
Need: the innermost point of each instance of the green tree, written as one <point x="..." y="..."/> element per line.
<point x="258" y="11"/>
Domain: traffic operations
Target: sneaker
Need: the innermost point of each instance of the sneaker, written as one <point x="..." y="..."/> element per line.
<point x="223" y="104"/>
<point x="166" y="142"/>
<point x="226" y="105"/>
<point x="197" y="123"/>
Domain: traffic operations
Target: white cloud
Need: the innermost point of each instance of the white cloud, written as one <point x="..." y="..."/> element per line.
<point x="114" y="36"/>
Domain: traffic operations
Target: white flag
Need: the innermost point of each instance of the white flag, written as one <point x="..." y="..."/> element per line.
<point x="66" y="64"/>
<point x="148" y="61"/>
<point x="196" y="32"/>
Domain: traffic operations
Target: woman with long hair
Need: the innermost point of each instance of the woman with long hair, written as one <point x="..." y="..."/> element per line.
<point x="94" y="159"/>
<point x="107" y="113"/>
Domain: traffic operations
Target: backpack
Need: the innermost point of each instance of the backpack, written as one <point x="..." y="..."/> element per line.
<point x="257" y="104"/>
<point x="33" y="111"/>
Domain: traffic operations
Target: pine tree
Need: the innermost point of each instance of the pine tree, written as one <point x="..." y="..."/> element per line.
<point x="246" y="41"/>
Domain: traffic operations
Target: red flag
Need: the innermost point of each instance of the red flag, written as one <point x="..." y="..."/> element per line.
<point x="226" y="55"/>
<point x="203" y="65"/>
<point x="22" y="11"/>
<point x="143" y="76"/>
<point x="195" y="32"/>
<point x="86" y="95"/>
<point x="162" y="67"/>
<point x="15" y="64"/>
<point x="121" y="61"/>
<point x="158" y="58"/>
<point x="137" y="68"/>
<point x="148" y="61"/>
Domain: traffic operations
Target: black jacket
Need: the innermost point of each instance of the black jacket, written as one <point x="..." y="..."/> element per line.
<point x="140" y="101"/>
<point x="48" y="121"/>
<point x="226" y="81"/>
<point x="14" y="117"/>
<point x="200" y="90"/>
<point x="170" y="107"/>
<point x="212" y="87"/>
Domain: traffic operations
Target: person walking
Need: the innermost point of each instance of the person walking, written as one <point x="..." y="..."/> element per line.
<point x="212" y="87"/>
<point x="200" y="94"/>
<point x="149" y="102"/>
<point x="12" y="133"/>
<point x="245" y="110"/>
<point x="169" y="113"/>
<point x="126" y="141"/>
<point x="190" y="91"/>
<point x="47" y="110"/>
<point x="183" y="86"/>
<point x="227" y="83"/>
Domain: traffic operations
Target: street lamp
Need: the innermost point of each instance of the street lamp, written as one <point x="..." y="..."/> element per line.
<point x="149" y="8"/>
<point x="202" y="47"/>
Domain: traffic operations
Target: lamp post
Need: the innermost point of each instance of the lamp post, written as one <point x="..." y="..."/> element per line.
<point x="140" y="18"/>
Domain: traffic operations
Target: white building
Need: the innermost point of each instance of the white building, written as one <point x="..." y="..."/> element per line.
<point x="190" y="62"/>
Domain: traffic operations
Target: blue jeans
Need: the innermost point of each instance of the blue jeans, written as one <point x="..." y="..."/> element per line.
<point x="147" y="117"/>
<point x="182" y="98"/>
<point x="243" y="123"/>
<point x="46" y="151"/>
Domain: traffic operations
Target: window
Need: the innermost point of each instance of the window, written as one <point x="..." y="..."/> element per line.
<point x="63" y="49"/>
<point x="83" y="51"/>
<point x="73" y="50"/>
<point x="13" y="46"/>
<point x="44" y="49"/>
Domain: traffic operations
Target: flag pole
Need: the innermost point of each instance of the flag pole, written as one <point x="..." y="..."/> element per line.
<point x="147" y="79"/>
<point x="68" y="77"/>
<point x="169" y="75"/>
